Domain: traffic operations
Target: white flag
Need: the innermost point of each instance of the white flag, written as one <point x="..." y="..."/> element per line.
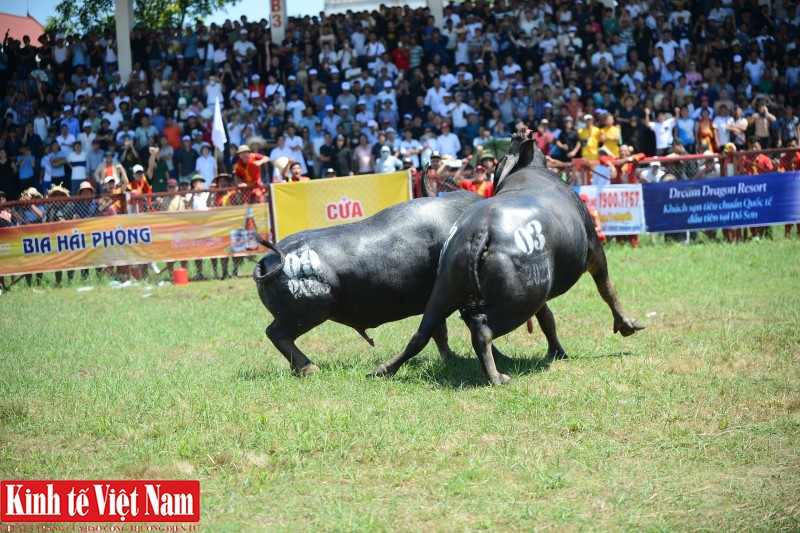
<point x="218" y="136"/>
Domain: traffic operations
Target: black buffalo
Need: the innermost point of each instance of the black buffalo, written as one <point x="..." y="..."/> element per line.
<point x="507" y="256"/>
<point x="362" y="274"/>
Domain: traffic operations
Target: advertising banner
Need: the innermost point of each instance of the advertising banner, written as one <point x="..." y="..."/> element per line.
<point x="132" y="239"/>
<point x="738" y="201"/>
<point x="620" y="207"/>
<point x="315" y="204"/>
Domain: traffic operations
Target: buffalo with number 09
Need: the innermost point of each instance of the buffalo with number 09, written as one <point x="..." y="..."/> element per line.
<point x="507" y="256"/>
<point x="362" y="274"/>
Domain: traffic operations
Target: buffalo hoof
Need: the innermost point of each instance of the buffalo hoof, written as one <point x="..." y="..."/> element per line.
<point x="309" y="370"/>
<point x="627" y="327"/>
<point x="379" y="371"/>
<point x="501" y="379"/>
<point x="557" y="355"/>
<point x="447" y="356"/>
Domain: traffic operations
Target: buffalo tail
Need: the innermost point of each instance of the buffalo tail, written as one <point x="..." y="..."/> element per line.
<point x="425" y="187"/>
<point x="474" y="262"/>
<point x="258" y="277"/>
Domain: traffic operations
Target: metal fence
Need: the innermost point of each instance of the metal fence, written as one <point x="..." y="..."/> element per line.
<point x="577" y="172"/>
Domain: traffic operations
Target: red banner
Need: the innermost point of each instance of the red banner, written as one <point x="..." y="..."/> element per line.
<point x="100" y="501"/>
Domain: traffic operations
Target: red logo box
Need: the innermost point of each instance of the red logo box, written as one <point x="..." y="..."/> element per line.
<point x="100" y="501"/>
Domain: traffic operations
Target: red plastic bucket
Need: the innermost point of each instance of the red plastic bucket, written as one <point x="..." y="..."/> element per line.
<point x="180" y="276"/>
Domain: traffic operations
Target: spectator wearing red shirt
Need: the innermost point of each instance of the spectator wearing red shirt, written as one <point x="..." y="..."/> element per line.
<point x="478" y="183"/>
<point x="248" y="170"/>
<point x="542" y="137"/>
<point x="401" y="56"/>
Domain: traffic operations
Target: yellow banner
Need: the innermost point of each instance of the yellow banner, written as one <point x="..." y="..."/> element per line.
<point x="329" y="202"/>
<point x="132" y="239"/>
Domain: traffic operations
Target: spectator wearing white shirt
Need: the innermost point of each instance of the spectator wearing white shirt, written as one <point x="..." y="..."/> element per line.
<point x="76" y="160"/>
<point x="66" y="140"/>
<point x="669" y="46"/>
<point x="243" y="48"/>
<point x="388" y="94"/>
<point x="755" y="69"/>
<point x="662" y="128"/>
<point x="87" y="136"/>
<point x="602" y="53"/>
<point x="206" y="165"/>
<point x="296" y="107"/>
<point x="460" y="112"/>
<point x="721" y="122"/>
<point x="213" y="92"/>
<point x="295" y="143"/>
<point x="448" y="142"/>
<point x="331" y="122"/>
<point x="410" y="147"/>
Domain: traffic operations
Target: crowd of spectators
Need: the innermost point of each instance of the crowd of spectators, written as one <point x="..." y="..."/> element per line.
<point x="378" y="91"/>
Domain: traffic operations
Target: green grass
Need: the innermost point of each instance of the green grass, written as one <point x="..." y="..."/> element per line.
<point x="692" y="424"/>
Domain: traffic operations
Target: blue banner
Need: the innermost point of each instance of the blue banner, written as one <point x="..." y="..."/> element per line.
<point x="738" y="201"/>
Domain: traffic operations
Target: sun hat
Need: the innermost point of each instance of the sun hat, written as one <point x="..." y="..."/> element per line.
<point x="86" y="185"/>
<point x="57" y="189"/>
<point x="243" y="148"/>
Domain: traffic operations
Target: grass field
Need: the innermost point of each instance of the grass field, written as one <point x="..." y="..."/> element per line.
<point x="692" y="424"/>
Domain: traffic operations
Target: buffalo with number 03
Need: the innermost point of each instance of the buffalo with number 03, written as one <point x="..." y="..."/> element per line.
<point x="362" y="274"/>
<point x="507" y="256"/>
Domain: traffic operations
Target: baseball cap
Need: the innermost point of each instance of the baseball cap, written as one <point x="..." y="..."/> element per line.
<point x="480" y="168"/>
<point x="343" y="107"/>
<point x="243" y="32"/>
<point x="67" y="108"/>
<point x="384" y="148"/>
<point x="587" y="116"/>
<point x="544" y="121"/>
<point x="181" y="101"/>
<point x="406" y="160"/>
<point x="172" y="182"/>
<point x="87" y="123"/>
<point x="387" y="84"/>
<point x="345" y="86"/>
<point x="329" y="107"/>
<point x="138" y="168"/>
<point x="256" y="77"/>
<point x="255" y="94"/>
<point x="737" y="58"/>
<point x="186" y="138"/>
<point x="334" y="70"/>
<point x="436" y="153"/>
<point x="312" y="72"/>
<point x="408" y="115"/>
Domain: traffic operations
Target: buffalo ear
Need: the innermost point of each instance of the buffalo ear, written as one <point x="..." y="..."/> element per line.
<point x="538" y="157"/>
<point x="503" y="169"/>
<point x="527" y="153"/>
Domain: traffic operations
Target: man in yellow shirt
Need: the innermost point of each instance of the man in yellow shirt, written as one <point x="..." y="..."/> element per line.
<point x="610" y="134"/>
<point x="589" y="136"/>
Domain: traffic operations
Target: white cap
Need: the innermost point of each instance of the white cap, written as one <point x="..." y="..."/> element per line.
<point x="312" y="72"/>
<point x="372" y="124"/>
<point x="67" y="108"/>
<point x="385" y="148"/>
<point x="587" y="116"/>
<point x="361" y="101"/>
<point x="334" y="70"/>
<point x="345" y="86"/>
<point x="87" y="123"/>
<point x="243" y="32"/>
<point x="138" y="168"/>
<point x="181" y="101"/>
<point x="329" y="107"/>
<point x="292" y="77"/>
<point x="343" y="107"/>
<point x="255" y="94"/>
<point x="387" y="84"/>
<point x="737" y="58"/>
<point x="256" y="77"/>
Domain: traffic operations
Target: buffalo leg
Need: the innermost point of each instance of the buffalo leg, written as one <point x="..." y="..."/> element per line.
<point x="482" y="343"/>
<point x="598" y="268"/>
<point x="283" y="338"/>
<point x="548" y="324"/>
<point x="440" y="338"/>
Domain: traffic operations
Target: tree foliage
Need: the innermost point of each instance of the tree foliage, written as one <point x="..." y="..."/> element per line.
<point x="92" y="15"/>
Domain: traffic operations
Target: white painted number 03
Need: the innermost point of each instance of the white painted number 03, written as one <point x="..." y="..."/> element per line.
<point x="529" y="237"/>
